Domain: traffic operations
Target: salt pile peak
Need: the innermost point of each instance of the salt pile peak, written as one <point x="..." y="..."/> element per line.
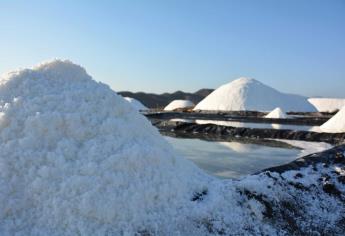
<point x="249" y="94"/>
<point x="336" y="124"/>
<point x="178" y="104"/>
<point x="277" y="113"/>
<point x="76" y="158"/>
<point x="136" y="104"/>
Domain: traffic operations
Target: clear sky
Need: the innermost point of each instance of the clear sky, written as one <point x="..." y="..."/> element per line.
<point x="296" y="46"/>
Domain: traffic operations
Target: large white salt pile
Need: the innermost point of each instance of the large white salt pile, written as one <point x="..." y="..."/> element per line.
<point x="327" y="104"/>
<point x="252" y="95"/>
<point x="336" y="124"/>
<point x="178" y="104"/>
<point x="136" y="104"/>
<point x="277" y="113"/>
<point x="77" y="159"/>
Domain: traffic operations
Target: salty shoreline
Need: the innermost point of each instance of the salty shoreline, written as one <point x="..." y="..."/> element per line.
<point x="224" y="133"/>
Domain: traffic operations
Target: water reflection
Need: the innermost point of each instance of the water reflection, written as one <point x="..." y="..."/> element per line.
<point x="232" y="159"/>
<point x="239" y="147"/>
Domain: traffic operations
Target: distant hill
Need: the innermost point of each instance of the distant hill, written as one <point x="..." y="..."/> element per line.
<point x="152" y="100"/>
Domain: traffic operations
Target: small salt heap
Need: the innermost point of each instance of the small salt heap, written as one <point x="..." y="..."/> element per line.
<point x="178" y="104"/>
<point x="277" y="113"/>
<point x="336" y="124"/>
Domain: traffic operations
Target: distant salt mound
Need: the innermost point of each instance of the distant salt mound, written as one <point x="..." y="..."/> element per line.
<point x="336" y="124"/>
<point x="327" y="104"/>
<point x="136" y="104"/>
<point x="178" y="104"/>
<point x="251" y="95"/>
<point x="277" y="113"/>
<point x="77" y="159"/>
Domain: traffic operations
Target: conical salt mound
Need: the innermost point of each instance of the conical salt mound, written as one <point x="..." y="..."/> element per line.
<point x="277" y="113"/>
<point x="251" y="95"/>
<point x="136" y="104"/>
<point x="177" y="104"/>
<point x="77" y="159"/>
<point x="336" y="124"/>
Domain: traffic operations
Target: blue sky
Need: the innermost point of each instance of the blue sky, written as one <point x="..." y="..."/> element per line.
<point x="295" y="46"/>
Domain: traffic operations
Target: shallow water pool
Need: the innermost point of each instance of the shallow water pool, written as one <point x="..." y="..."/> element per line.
<point x="232" y="159"/>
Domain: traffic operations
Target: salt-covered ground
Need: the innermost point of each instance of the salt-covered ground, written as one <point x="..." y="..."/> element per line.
<point x="77" y="159"/>
<point x="307" y="147"/>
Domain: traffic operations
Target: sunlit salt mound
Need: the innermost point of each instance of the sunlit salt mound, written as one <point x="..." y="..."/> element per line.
<point x="252" y="95"/>
<point x="327" y="104"/>
<point x="136" y="104"/>
<point x="336" y="124"/>
<point x="77" y="159"/>
<point x="277" y="113"/>
<point x="178" y="104"/>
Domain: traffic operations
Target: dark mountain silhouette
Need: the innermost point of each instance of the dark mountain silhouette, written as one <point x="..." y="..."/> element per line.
<point x="152" y="100"/>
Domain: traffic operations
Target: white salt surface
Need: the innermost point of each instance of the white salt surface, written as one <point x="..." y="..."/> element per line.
<point x="307" y="147"/>
<point x="176" y="104"/>
<point x="77" y="159"/>
<point x="250" y="94"/>
<point x="277" y="113"/>
<point x="327" y="104"/>
<point x="336" y="124"/>
<point x="136" y="104"/>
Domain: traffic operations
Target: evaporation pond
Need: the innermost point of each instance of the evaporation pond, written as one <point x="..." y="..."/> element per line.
<point x="232" y="159"/>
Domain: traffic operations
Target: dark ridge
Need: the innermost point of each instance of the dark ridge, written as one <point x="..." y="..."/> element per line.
<point x="241" y="116"/>
<point x="218" y="132"/>
<point x="152" y="100"/>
